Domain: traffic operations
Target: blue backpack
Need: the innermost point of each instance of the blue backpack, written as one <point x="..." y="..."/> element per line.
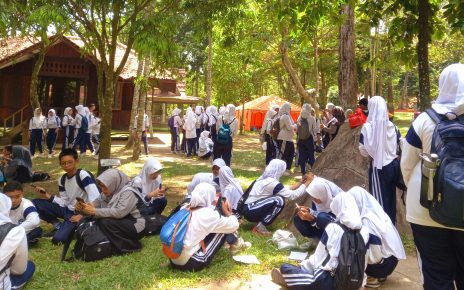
<point x="173" y="233"/>
<point x="447" y="205"/>
<point x="84" y="124"/>
<point x="223" y="134"/>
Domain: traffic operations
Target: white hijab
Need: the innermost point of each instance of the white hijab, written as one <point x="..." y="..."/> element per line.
<point x="323" y="190"/>
<point x="5" y="207"/>
<point x="285" y="109"/>
<point x="229" y="114"/>
<point x="202" y="177"/>
<point x="305" y="111"/>
<point x="38" y="118"/>
<point x="329" y="106"/>
<point x="204" y="135"/>
<point x="268" y="120"/>
<point x="380" y="223"/>
<point x="68" y="111"/>
<point x="226" y="179"/>
<point x="219" y="162"/>
<point x="198" y="110"/>
<point x="380" y="138"/>
<point x="144" y="181"/>
<point x="450" y="90"/>
<point x="344" y="207"/>
<point x="273" y="171"/>
<point x="80" y="110"/>
<point x="176" y="112"/>
<point x="222" y="109"/>
<point x="203" y="195"/>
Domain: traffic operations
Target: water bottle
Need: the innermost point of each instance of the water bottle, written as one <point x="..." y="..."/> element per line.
<point x="430" y="163"/>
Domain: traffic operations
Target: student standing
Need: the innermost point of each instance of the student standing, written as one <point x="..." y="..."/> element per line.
<point x="75" y="183"/>
<point x="266" y="131"/>
<point x="223" y="149"/>
<point x="285" y="137"/>
<point x="145" y="126"/>
<point x="212" y="116"/>
<point x="174" y="127"/>
<point x="190" y="133"/>
<point x="379" y="141"/>
<point x="37" y="125"/>
<point x="53" y="125"/>
<point x="95" y="125"/>
<point x="307" y="131"/>
<point x="23" y="213"/>
<point x="88" y="134"/>
<point x="82" y="125"/>
<point x="440" y="248"/>
<point x="13" y="251"/>
<point x="68" y="123"/>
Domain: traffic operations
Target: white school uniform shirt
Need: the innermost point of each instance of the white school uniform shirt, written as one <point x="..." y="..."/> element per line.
<point x="190" y="125"/>
<point x="68" y="121"/>
<point x="78" y="121"/>
<point x="25" y="215"/>
<point x="70" y="190"/>
<point x="145" y="123"/>
<point x="95" y="124"/>
<point x="272" y="186"/>
<point x="38" y="123"/>
<point x="178" y="122"/>
<point x="205" y="144"/>
<point x="53" y="122"/>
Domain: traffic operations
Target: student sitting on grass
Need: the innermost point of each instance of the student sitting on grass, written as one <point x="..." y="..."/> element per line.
<point x="23" y="213"/>
<point x="212" y="177"/>
<point x="267" y="197"/>
<point x="312" y="222"/>
<point x="76" y="183"/>
<point x="315" y="272"/>
<point x="13" y="251"/>
<point x="206" y="225"/>
<point x="230" y="186"/>
<point x="385" y="245"/>
<point x="148" y="184"/>
<point x="117" y="211"/>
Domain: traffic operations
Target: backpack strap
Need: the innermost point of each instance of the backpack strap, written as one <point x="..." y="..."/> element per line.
<point x="437" y="118"/>
<point x="4" y="230"/>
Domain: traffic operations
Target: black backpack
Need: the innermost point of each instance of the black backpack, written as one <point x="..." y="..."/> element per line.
<point x="78" y="179"/>
<point x="171" y="123"/>
<point x="84" y="124"/>
<point x="275" y="130"/>
<point x="243" y="199"/>
<point x="4" y="230"/>
<point x="91" y="244"/>
<point x="303" y="130"/>
<point x="447" y="204"/>
<point x="349" y="274"/>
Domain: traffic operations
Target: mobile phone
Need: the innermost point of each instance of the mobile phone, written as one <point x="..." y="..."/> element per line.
<point x="41" y="190"/>
<point x="80" y="200"/>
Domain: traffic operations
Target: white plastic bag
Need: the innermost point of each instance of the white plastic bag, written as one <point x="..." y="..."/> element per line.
<point x="264" y="146"/>
<point x="284" y="240"/>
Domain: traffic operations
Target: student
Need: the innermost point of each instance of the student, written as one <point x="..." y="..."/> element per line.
<point x="212" y="116"/>
<point x="51" y="207"/>
<point x="145" y="126"/>
<point x="315" y="272"/>
<point x="307" y="132"/>
<point x="198" y="124"/>
<point x="205" y="225"/>
<point x="88" y="133"/>
<point x="176" y="125"/>
<point x="440" y="248"/>
<point x="363" y="105"/>
<point x="117" y="212"/>
<point x="379" y="141"/>
<point x="206" y="145"/>
<point x="224" y="151"/>
<point x="285" y="137"/>
<point x="183" y="146"/>
<point x="212" y="178"/>
<point x="13" y="251"/>
<point x="230" y="187"/>
<point x="68" y="123"/>
<point x="190" y="133"/>
<point x="267" y="197"/>
<point x="149" y="186"/>
<point x="266" y="131"/>
<point x="385" y="245"/>
<point x="309" y="222"/>
<point x="318" y="139"/>
<point x="329" y="125"/>
<point x="52" y="125"/>
<point x="81" y="122"/>
<point x="37" y="125"/>
<point x="95" y="125"/>
<point x="23" y="213"/>
<point x="16" y="164"/>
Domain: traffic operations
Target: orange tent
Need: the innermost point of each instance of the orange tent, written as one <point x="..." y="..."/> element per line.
<point x="255" y="111"/>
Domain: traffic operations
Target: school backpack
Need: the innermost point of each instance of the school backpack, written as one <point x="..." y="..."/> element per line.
<point x="275" y="130"/>
<point x="349" y="274"/>
<point x="78" y="179"/>
<point x="223" y="134"/>
<point x="84" y="124"/>
<point x="243" y="199"/>
<point x="171" y="123"/>
<point x="303" y="130"/>
<point x="173" y="233"/>
<point x="4" y="230"/>
<point x="447" y="204"/>
<point x="91" y="243"/>
<point x="154" y="223"/>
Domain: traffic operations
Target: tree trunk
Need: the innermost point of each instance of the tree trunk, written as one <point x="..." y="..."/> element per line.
<point x="33" y="93"/>
<point x="242" y="117"/>
<point x="291" y="71"/>
<point x="209" y="68"/>
<point x="404" y="93"/>
<point x="106" y="110"/>
<point x="324" y="90"/>
<point x="347" y="79"/>
<point x="150" y="111"/>
<point x="316" y="65"/>
<point x="367" y="84"/>
<point x="379" y="83"/>
<point x="141" y="106"/>
<point x="135" y="101"/>
<point x="197" y="78"/>
<point x="423" y="54"/>
<point x="391" y="107"/>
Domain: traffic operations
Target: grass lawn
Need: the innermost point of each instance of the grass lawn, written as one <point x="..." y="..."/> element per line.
<point x="149" y="269"/>
<point x="403" y="120"/>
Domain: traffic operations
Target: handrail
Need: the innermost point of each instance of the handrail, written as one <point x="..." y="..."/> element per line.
<point x="13" y="118"/>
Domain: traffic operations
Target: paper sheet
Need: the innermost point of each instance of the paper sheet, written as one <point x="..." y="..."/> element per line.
<point x="298" y="256"/>
<point x="246" y="259"/>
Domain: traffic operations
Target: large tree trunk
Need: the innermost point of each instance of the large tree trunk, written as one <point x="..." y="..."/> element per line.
<point x="106" y="110"/>
<point x="141" y="109"/>
<point x="135" y="101"/>
<point x="33" y="92"/>
<point x="150" y="112"/>
<point x="291" y="71"/>
<point x="347" y="79"/>
<point x="391" y="107"/>
<point x="423" y="54"/>
<point x="404" y="93"/>
<point x="209" y="68"/>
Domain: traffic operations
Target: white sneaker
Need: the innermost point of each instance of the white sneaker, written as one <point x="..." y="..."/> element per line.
<point x="84" y="154"/>
<point x="239" y="245"/>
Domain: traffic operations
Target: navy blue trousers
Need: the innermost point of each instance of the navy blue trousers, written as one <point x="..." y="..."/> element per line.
<point x="36" y="140"/>
<point x="264" y="210"/>
<point x="157" y="206"/>
<point x="223" y="151"/>
<point x="51" y="212"/>
<point x="382" y="185"/>
<point x="382" y="269"/>
<point x="34" y="236"/>
<point x="191" y="146"/>
<point x="306" y="153"/>
<point x="299" y="279"/>
<point x="441" y="255"/>
<point x="68" y="137"/>
<point x="18" y="281"/>
<point x="270" y="148"/>
<point x="51" y="140"/>
<point x="145" y="141"/>
<point x="287" y="152"/>
<point x="175" y="139"/>
<point x="88" y="142"/>
<point x="79" y="141"/>
<point x="316" y="228"/>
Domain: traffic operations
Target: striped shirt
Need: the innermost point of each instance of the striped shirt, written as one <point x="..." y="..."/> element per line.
<point x="70" y="190"/>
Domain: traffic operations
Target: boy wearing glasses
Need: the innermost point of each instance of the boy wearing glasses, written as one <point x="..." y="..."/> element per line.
<point x="75" y="183"/>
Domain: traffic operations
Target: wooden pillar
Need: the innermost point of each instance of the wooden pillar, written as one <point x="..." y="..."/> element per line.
<point x="163" y="114"/>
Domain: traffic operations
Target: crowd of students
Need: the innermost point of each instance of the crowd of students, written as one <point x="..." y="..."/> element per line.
<point x="119" y="206"/>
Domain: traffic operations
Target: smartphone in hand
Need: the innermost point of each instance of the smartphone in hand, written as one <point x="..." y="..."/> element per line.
<point x="40" y="190"/>
<point x="80" y="200"/>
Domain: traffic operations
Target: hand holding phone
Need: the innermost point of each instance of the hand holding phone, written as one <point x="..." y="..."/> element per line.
<point x="80" y="200"/>
<point x="38" y="189"/>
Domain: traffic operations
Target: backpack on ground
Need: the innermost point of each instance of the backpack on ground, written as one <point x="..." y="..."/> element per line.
<point x="171" y="122"/>
<point x="349" y="274"/>
<point x="78" y="179"/>
<point x="303" y="130"/>
<point x="84" y="124"/>
<point x="154" y="223"/>
<point x="4" y="230"/>
<point x="91" y="244"/>
<point x="173" y="233"/>
<point x="223" y="134"/>
<point x="446" y="205"/>
<point x="275" y="130"/>
<point x="243" y="199"/>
